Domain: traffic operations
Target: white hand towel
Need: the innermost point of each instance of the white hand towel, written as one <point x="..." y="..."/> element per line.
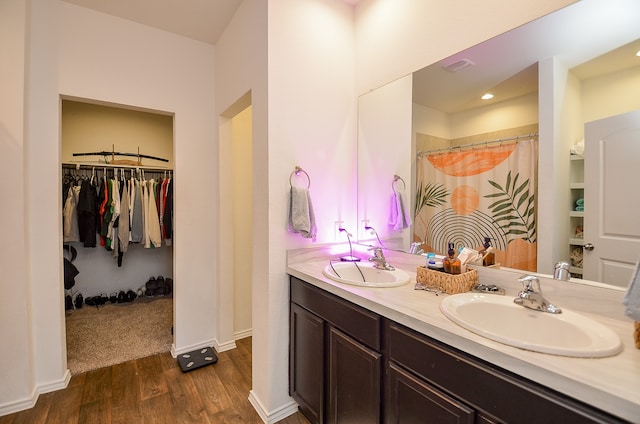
<point x="301" y="217"/>
<point x="632" y="297"/>
<point x="399" y="217"/>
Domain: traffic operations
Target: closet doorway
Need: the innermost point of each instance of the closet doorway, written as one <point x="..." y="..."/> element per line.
<point x="119" y="306"/>
<point x="236" y="224"/>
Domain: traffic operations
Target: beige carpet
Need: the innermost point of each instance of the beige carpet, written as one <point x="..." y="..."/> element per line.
<point x="112" y="334"/>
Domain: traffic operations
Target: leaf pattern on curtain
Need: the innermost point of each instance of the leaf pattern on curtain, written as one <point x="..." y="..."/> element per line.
<point x="464" y="196"/>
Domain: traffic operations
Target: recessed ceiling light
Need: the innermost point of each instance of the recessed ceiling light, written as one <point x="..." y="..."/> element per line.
<point x="638" y="53"/>
<point x="487" y="96"/>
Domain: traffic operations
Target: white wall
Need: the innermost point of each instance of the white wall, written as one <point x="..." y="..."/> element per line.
<point x="88" y="127"/>
<point x="312" y="114"/>
<point x="432" y="122"/>
<point x="397" y="37"/>
<point x="520" y="111"/>
<point x="241" y="69"/>
<point x="384" y="118"/>
<point x="43" y="228"/>
<point x="610" y="94"/>
<point x="511" y="113"/>
<point x="15" y="366"/>
<point x="80" y="53"/>
<point x="242" y="184"/>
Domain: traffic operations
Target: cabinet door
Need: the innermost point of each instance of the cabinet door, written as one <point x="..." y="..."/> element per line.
<point x="306" y="362"/>
<point x="412" y="400"/>
<point x="354" y="373"/>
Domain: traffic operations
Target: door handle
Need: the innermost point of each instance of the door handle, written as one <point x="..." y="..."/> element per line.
<point x="589" y="246"/>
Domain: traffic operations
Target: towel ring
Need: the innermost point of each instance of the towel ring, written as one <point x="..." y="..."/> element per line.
<point x="297" y="172"/>
<point x="397" y="178"/>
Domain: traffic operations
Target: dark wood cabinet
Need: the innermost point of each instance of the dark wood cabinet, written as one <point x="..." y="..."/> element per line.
<point x="411" y="400"/>
<point x="353" y="380"/>
<point x="495" y="394"/>
<point x="335" y="367"/>
<point x="306" y="374"/>
<point x="348" y="364"/>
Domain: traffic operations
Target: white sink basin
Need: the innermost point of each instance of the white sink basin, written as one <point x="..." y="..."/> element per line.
<point x="365" y="274"/>
<point x="498" y="318"/>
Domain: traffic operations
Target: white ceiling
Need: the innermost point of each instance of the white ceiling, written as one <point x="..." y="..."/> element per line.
<point x="507" y="65"/>
<point x="202" y="20"/>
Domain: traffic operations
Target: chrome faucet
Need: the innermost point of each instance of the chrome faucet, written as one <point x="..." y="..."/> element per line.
<point x="416" y="248"/>
<point x="561" y="271"/>
<point x="531" y="296"/>
<point x="379" y="259"/>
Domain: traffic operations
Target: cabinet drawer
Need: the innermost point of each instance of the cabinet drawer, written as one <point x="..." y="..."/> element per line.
<point x="501" y="394"/>
<point x="411" y="400"/>
<point x="359" y="323"/>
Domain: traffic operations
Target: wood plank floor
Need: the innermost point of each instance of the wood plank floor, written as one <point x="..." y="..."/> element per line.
<point x="155" y="390"/>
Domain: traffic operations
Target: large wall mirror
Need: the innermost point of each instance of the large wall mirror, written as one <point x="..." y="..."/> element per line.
<point x="548" y="79"/>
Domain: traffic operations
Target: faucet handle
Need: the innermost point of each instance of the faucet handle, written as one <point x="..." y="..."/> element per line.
<point x="377" y="251"/>
<point x="530" y="283"/>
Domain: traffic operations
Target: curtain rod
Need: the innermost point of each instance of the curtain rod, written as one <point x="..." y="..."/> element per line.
<point x="88" y="165"/>
<point x="506" y="140"/>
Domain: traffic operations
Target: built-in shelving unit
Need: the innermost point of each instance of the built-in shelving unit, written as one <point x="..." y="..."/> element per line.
<point x="576" y="218"/>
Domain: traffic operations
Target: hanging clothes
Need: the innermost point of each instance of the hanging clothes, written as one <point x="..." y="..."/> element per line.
<point x="106" y="212"/>
<point x="152" y="220"/>
<point x="87" y="209"/>
<point x="167" y="216"/>
<point x="137" y="217"/>
<point x="71" y="231"/>
<point x="116" y="211"/>
<point x="123" y="225"/>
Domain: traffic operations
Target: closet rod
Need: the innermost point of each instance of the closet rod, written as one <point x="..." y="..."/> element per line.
<point x="507" y="140"/>
<point x="84" y="165"/>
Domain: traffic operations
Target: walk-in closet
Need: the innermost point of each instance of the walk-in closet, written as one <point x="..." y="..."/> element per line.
<point x="116" y="185"/>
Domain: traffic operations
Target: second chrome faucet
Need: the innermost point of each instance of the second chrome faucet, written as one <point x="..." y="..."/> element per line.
<point x="531" y="296"/>
<point x="379" y="259"/>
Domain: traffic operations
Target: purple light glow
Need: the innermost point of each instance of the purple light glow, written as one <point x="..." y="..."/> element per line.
<point x="341" y="249"/>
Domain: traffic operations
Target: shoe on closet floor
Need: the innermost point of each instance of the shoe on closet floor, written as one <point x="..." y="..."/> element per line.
<point x="92" y="301"/>
<point x="131" y="296"/>
<point x="151" y="286"/>
<point x="78" y="301"/>
<point x="68" y="303"/>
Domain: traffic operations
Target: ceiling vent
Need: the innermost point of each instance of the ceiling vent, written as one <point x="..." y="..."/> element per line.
<point x="458" y="65"/>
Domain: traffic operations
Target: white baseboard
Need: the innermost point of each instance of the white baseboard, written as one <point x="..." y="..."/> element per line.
<point x="55" y="385"/>
<point x="221" y="347"/>
<point x="217" y="346"/>
<point x="273" y="416"/>
<point x="175" y="352"/>
<point x="19" y="405"/>
<point x="243" y="334"/>
<point x="30" y="402"/>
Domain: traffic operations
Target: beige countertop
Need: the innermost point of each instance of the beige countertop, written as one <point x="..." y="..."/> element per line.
<point x="611" y="384"/>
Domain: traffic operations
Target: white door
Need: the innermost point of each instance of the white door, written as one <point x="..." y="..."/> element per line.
<point x="612" y="198"/>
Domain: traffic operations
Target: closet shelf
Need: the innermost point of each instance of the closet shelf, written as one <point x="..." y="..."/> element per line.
<point x="574" y="241"/>
<point x="96" y="165"/>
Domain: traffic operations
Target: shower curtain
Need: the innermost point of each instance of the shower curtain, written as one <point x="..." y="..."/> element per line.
<point x="465" y="195"/>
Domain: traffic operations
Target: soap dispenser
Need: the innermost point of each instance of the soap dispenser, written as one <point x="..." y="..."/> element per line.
<point x="488" y="257"/>
<point x="451" y="263"/>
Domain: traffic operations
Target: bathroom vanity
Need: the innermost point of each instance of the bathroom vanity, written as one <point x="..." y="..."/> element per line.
<point x="361" y="354"/>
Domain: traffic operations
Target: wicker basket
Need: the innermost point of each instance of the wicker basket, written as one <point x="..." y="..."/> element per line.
<point x="636" y="334"/>
<point x="448" y="283"/>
